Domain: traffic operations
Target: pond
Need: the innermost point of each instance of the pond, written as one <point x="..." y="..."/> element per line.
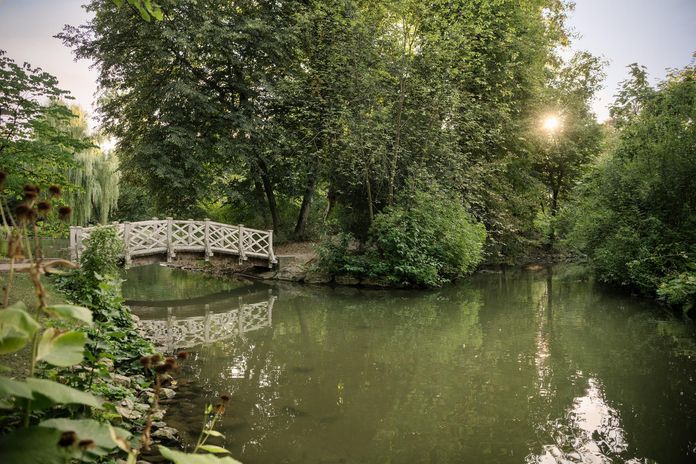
<point x="514" y="367"/>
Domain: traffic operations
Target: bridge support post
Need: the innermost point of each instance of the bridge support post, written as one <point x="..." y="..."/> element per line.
<point x="126" y="241"/>
<point x="170" y="244"/>
<point x="78" y="243"/>
<point x="240" y="246"/>
<point x="271" y="257"/>
<point x="73" y="244"/>
<point x="206" y="240"/>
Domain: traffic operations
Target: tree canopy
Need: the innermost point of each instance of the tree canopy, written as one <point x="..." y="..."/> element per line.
<point x="314" y="111"/>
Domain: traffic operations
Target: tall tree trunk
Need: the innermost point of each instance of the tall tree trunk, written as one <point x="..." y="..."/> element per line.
<point x="554" y="211"/>
<point x="260" y="198"/>
<point x="399" y="114"/>
<point x="303" y="217"/>
<point x="270" y="195"/>
<point x="331" y="202"/>
<point x="369" y="198"/>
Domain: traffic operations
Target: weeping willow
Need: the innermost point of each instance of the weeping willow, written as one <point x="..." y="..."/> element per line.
<point x="93" y="176"/>
<point x="95" y="186"/>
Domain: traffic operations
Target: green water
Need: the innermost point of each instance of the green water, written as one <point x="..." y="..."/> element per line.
<point x="520" y="367"/>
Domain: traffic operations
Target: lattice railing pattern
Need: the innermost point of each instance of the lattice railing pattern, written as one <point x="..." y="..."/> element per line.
<point x="170" y="236"/>
<point x="175" y="333"/>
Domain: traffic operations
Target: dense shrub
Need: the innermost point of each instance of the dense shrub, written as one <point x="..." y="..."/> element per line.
<point x="427" y="242"/>
<point x="636" y="216"/>
<point x="97" y="286"/>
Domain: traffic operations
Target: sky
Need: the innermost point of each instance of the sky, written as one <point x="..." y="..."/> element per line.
<point x="659" y="34"/>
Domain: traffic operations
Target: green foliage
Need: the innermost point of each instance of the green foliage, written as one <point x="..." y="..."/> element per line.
<point x="178" y="457"/>
<point x="428" y="242"/>
<point x="17" y="328"/>
<point x="97" y="285"/>
<point x="298" y="113"/>
<point x="103" y="254"/>
<point x="431" y="240"/>
<point x="92" y="180"/>
<point x="635" y="213"/>
<point x="58" y="335"/>
<point x="680" y="289"/>
<point x="146" y="8"/>
<point x="32" y="147"/>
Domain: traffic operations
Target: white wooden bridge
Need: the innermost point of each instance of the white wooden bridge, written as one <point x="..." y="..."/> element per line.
<point x="174" y="333"/>
<point x="168" y="237"/>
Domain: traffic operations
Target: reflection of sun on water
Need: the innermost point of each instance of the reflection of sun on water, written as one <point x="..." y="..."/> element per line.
<point x="594" y="433"/>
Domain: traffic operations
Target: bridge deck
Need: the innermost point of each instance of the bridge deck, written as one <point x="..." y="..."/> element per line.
<point x="153" y="237"/>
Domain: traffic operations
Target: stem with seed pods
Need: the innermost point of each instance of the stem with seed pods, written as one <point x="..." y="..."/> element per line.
<point x="209" y="423"/>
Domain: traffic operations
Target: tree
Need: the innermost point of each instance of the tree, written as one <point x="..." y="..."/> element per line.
<point x="569" y="137"/>
<point x="324" y="110"/>
<point x="32" y="147"/>
<point x="635" y="217"/>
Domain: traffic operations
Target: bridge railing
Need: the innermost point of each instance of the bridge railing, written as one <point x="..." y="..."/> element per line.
<point x="145" y="238"/>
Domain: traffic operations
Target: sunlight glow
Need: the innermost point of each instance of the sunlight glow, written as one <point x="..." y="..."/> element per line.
<point x="551" y="124"/>
<point x="107" y="144"/>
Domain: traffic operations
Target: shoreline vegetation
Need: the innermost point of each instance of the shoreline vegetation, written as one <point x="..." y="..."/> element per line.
<point x="79" y="380"/>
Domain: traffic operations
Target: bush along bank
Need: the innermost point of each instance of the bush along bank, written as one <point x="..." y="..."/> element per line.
<point x="425" y="242"/>
<point x="93" y="388"/>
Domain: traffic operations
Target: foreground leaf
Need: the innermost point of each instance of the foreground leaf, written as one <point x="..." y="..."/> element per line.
<point x="214" y="449"/>
<point x="16" y="328"/>
<point x="77" y="313"/>
<point x="16" y="388"/>
<point x="48" y="393"/>
<point x="32" y="445"/>
<point x="89" y="429"/>
<point x="61" y="349"/>
<point x="177" y="457"/>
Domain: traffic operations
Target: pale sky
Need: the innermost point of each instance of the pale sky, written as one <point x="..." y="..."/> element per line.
<point x="657" y="33"/>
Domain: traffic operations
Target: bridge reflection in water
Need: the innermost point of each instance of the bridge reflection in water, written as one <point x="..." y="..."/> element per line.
<point x="174" y="330"/>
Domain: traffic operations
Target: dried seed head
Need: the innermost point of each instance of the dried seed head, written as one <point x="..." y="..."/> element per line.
<point x="24" y="213"/>
<point x="22" y="210"/>
<point x="155" y="358"/>
<point x="30" y="195"/>
<point x="86" y="444"/>
<point x="182" y="355"/>
<point x="31" y="188"/>
<point x="219" y="408"/>
<point x="145" y="361"/>
<point x="64" y="212"/>
<point x="43" y="206"/>
<point x="67" y="439"/>
<point x="54" y="190"/>
<point x="163" y="368"/>
<point x="171" y="361"/>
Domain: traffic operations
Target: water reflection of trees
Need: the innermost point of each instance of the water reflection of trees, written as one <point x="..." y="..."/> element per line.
<point x="618" y="381"/>
<point x="155" y="282"/>
<point x="512" y="367"/>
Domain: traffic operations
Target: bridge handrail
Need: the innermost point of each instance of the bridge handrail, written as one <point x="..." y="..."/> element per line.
<point x="170" y="236"/>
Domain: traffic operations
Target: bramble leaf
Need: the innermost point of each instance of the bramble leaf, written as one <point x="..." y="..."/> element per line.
<point x="77" y="313"/>
<point x="61" y="348"/>
<point x="17" y="327"/>
<point x="48" y="393"/>
<point x="177" y="457"/>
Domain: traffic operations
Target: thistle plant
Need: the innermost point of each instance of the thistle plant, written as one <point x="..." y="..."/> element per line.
<point x="55" y="336"/>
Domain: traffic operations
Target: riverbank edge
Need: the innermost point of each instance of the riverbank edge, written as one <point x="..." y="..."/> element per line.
<point x="132" y="394"/>
<point x="303" y="269"/>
